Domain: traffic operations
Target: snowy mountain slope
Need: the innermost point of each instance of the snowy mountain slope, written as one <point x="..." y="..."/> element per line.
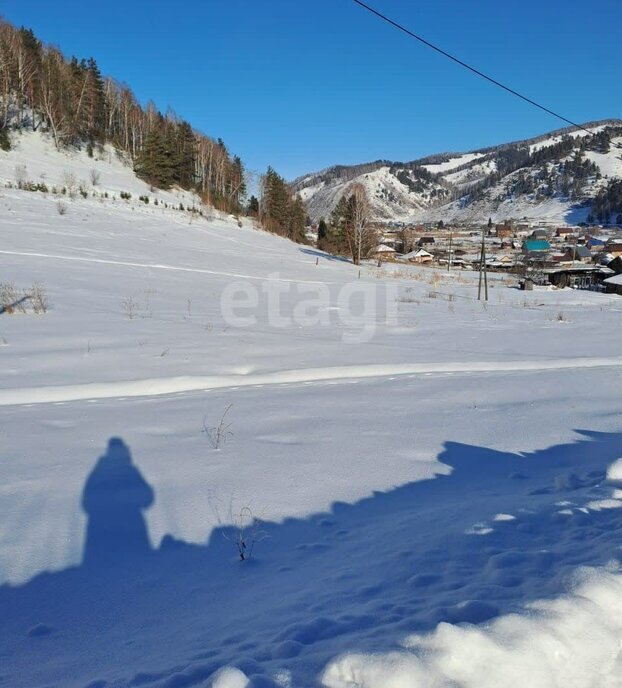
<point x="34" y="159"/>
<point x="413" y="454"/>
<point x="474" y="186"/>
<point x="390" y="195"/>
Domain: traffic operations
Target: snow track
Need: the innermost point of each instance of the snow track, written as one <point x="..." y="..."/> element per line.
<point x="163" y="266"/>
<point x="188" y="383"/>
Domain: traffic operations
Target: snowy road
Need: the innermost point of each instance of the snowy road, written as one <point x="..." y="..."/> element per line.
<point x="186" y="383"/>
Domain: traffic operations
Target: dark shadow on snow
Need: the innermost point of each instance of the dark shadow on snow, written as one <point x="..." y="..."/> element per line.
<point x="10" y="307"/>
<point x="358" y="578"/>
<point x="114" y="497"/>
<point x="326" y="256"/>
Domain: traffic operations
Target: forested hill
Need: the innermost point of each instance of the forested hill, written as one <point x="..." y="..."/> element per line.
<point x="42" y="90"/>
<point x="568" y="175"/>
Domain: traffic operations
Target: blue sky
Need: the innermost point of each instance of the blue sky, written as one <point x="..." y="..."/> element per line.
<point x="304" y="84"/>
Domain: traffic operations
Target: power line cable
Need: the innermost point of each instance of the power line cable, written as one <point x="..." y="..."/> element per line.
<point x="410" y="33"/>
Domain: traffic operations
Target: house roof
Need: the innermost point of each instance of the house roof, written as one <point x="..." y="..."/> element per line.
<point x="383" y="248"/>
<point x="536" y="245"/>
<point x="420" y="253"/>
<point x="616" y="279"/>
<point x="579" y="252"/>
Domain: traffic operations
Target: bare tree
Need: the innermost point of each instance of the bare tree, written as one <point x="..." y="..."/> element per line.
<point x="358" y="226"/>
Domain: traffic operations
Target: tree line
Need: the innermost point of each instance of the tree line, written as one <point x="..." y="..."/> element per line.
<point x="280" y="211"/>
<point x="607" y="205"/>
<point x="69" y="98"/>
<point x="349" y="230"/>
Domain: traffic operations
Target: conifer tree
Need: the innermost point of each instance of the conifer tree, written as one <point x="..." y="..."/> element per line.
<point x="322" y="230"/>
<point x="253" y="207"/>
<point x="279" y="212"/>
<point x="297" y="218"/>
<point x="155" y="162"/>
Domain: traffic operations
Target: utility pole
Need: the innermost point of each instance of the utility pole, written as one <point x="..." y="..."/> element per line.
<point x="482" y="270"/>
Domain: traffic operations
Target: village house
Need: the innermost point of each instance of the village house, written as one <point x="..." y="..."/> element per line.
<point x="593" y="242"/>
<point x="613" y="285"/>
<point x="539" y="233"/>
<point x="614" y="247"/>
<point x="382" y="251"/>
<point x="616" y="265"/>
<point x="504" y="231"/>
<point x="578" y="253"/>
<point x="536" y="246"/>
<point x="577" y="276"/>
<point x="501" y="261"/>
<point x="419" y="256"/>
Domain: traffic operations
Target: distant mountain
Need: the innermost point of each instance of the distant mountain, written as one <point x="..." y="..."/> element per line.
<point x="565" y="175"/>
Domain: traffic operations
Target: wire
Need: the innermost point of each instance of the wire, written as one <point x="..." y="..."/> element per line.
<point x="402" y="28"/>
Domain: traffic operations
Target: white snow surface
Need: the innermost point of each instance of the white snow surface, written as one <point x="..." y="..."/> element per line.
<point x="453" y="162"/>
<point x="610" y="164"/>
<point x="570" y="641"/>
<point x="614" y="472"/>
<point x="429" y="494"/>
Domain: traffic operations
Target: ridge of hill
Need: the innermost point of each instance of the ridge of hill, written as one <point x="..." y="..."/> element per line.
<point x="565" y="175"/>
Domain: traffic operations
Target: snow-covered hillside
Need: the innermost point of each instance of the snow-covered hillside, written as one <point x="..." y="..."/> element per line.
<point x="429" y="473"/>
<point x="472" y="187"/>
<point x="33" y="159"/>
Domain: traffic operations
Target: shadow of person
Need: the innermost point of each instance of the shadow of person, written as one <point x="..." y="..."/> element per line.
<point x="114" y="497"/>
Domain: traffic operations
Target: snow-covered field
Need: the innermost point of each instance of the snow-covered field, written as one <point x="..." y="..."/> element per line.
<point x="429" y="472"/>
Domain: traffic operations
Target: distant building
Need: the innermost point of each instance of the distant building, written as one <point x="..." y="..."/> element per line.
<point x="581" y="253"/>
<point x="594" y="242"/>
<point x="383" y="251"/>
<point x="613" y="285"/>
<point x="614" y="247"/>
<point x="539" y="233"/>
<point x="504" y="231"/>
<point x="418" y="256"/>
<point x="536" y="246"/>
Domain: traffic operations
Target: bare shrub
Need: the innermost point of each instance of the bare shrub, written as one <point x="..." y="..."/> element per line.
<point x="130" y="306"/>
<point x="39" y="298"/>
<point x="11" y="300"/>
<point x="61" y="208"/>
<point x="21" y="175"/>
<point x="219" y="434"/>
<point x="95" y="176"/>
<point x="245" y="532"/>
<point x="71" y="183"/>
